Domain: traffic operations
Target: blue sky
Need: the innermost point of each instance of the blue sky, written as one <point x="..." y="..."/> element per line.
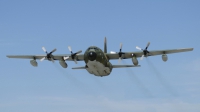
<point x="26" y="26"/>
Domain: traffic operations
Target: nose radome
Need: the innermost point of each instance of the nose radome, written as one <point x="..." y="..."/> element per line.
<point x="92" y="56"/>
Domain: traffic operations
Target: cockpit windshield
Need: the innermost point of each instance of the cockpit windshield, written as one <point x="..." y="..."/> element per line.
<point x="90" y="48"/>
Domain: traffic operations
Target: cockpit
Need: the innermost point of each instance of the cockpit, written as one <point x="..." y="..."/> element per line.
<point x="94" y="49"/>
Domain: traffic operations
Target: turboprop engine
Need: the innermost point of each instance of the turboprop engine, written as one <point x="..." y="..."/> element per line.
<point x="134" y="60"/>
<point x="34" y="63"/>
<point x="164" y="57"/>
<point x="63" y="63"/>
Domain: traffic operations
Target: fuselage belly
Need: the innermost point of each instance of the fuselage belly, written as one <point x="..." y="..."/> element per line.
<point x="97" y="68"/>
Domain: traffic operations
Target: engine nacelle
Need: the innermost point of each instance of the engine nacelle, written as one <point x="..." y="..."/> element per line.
<point x="34" y="63"/>
<point x="135" y="61"/>
<point x="63" y="63"/>
<point x="164" y="57"/>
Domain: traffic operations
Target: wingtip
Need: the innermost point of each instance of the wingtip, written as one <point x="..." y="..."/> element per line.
<point x="8" y="56"/>
<point x="190" y="49"/>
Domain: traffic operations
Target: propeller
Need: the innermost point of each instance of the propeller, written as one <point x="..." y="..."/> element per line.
<point x="73" y="55"/>
<point x="120" y="53"/>
<point x="145" y="51"/>
<point x="49" y="56"/>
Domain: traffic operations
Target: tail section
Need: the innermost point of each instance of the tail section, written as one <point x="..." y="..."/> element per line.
<point x="105" y="45"/>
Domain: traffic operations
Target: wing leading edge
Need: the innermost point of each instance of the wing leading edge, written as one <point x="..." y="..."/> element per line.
<point x="152" y="53"/>
<point x="56" y="57"/>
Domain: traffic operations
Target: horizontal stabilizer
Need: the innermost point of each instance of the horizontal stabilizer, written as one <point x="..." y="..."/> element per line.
<point x="79" y="67"/>
<point x="125" y="66"/>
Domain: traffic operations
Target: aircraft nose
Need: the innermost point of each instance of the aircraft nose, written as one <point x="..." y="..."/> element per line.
<point x="92" y="56"/>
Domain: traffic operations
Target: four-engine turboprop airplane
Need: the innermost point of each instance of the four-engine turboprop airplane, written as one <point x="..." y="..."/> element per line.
<point x="96" y="60"/>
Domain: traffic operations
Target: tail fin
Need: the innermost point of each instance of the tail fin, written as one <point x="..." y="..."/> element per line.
<point x="105" y="45"/>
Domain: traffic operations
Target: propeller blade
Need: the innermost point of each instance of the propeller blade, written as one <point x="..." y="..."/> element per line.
<point x="43" y="48"/>
<point x="75" y="61"/>
<point x="147" y="45"/>
<point x="70" y="49"/>
<point x="138" y="48"/>
<point x="49" y="56"/>
<point x="52" y="60"/>
<point x="120" y="45"/>
<point x="42" y="59"/>
<point x="78" y="52"/>
<point x="113" y="52"/>
<point x="53" y="50"/>
<point x="142" y="57"/>
<point x="120" y="59"/>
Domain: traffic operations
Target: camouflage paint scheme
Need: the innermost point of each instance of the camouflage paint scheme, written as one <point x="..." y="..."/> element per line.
<point x="97" y="62"/>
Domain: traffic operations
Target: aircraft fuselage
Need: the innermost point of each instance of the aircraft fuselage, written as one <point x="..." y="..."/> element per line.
<point x="97" y="62"/>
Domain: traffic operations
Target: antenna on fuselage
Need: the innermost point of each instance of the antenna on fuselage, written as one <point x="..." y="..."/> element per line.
<point x="105" y="45"/>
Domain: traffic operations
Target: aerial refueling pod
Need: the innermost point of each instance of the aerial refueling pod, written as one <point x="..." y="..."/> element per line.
<point x="63" y="63"/>
<point x="134" y="60"/>
<point x="164" y="57"/>
<point x="34" y="63"/>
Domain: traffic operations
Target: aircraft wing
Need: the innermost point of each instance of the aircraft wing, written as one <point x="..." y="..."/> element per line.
<point x="80" y="57"/>
<point x="152" y="53"/>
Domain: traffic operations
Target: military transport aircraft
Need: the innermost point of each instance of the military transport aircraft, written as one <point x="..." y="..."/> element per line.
<point x="96" y="60"/>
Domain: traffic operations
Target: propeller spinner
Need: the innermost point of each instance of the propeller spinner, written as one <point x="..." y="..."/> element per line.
<point x="49" y="56"/>
<point x="145" y="51"/>
<point x="73" y="55"/>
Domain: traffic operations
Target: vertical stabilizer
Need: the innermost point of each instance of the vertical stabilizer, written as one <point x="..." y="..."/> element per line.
<point x="105" y="45"/>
